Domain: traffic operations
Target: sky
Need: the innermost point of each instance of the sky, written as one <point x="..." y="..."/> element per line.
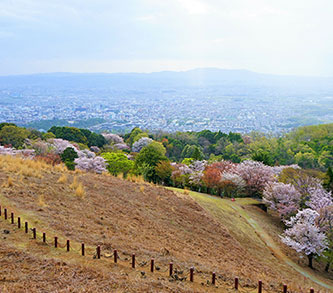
<point x="292" y="37"/>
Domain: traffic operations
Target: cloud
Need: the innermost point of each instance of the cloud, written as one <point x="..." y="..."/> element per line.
<point x="195" y="6"/>
<point x="4" y="34"/>
<point x="147" y="18"/>
<point x="269" y="36"/>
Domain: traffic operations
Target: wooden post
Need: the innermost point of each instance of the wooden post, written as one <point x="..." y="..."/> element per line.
<point x="26" y="227"/>
<point x="115" y="256"/>
<point x="191" y="274"/>
<point x="260" y="287"/>
<point x="12" y="217"/>
<point x="19" y="222"/>
<point x="44" y="237"/>
<point x="5" y="210"/>
<point x="0" y="211"/>
<point x="213" y="278"/>
<point x="133" y="260"/>
<point x="284" y="288"/>
<point x="170" y="269"/>
<point x="236" y="283"/>
<point x="82" y="249"/>
<point x="34" y="233"/>
<point x="98" y="250"/>
<point x="55" y="242"/>
<point x="67" y="245"/>
<point x="152" y="265"/>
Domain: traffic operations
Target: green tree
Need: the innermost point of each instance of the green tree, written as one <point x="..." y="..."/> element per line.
<point x="68" y="156"/>
<point x="3" y="124"/>
<point x="163" y="171"/>
<point x="326" y="159"/>
<point x="130" y="139"/>
<point x="48" y="135"/>
<point x="192" y="151"/>
<point x="306" y="160"/>
<point x="187" y="161"/>
<point x="69" y="133"/>
<point x="150" y="156"/>
<point x="262" y="156"/>
<point x="118" y="163"/>
<point x="13" y="135"/>
<point x="328" y="182"/>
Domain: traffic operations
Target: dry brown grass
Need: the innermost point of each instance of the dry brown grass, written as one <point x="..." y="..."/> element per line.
<point x="135" y="178"/>
<point x="24" y="167"/>
<point x="116" y="214"/>
<point x="9" y="182"/>
<point x="186" y="191"/>
<point x="63" y="179"/>
<point x="41" y="201"/>
<point x="75" y="183"/>
<point x="79" y="191"/>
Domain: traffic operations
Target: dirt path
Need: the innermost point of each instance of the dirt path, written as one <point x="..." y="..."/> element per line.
<point x="275" y="248"/>
<point x="270" y="243"/>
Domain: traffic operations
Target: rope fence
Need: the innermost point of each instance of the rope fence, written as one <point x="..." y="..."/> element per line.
<point x="97" y="255"/>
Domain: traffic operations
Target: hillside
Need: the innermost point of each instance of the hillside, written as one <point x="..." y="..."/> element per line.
<point x="139" y="218"/>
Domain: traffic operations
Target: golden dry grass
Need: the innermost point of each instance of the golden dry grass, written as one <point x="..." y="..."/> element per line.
<point x="41" y="201"/>
<point x="75" y="183"/>
<point x="63" y="179"/>
<point x="9" y="182"/>
<point x="79" y="191"/>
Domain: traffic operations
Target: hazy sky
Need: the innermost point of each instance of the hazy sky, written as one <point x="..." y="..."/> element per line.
<point x="274" y="36"/>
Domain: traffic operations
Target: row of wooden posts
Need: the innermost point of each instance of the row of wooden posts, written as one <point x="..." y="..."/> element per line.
<point x="115" y="254"/>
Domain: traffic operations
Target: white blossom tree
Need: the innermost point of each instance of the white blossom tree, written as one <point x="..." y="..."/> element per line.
<point x="60" y="145"/>
<point x="232" y="184"/>
<point x="256" y="175"/>
<point x="91" y="164"/>
<point x="141" y="143"/>
<point x="319" y="198"/>
<point x="304" y="234"/>
<point x="283" y="198"/>
<point x="113" y="138"/>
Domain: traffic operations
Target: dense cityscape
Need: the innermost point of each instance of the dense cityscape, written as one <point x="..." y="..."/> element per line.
<point x="169" y="107"/>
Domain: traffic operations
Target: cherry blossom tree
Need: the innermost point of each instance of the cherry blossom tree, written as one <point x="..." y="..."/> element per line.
<point x="256" y="175"/>
<point x="225" y="166"/>
<point x="91" y="164"/>
<point x="304" y="235"/>
<point x="113" y="138"/>
<point x="180" y="174"/>
<point x="198" y="166"/>
<point x="121" y="146"/>
<point x="9" y="151"/>
<point x="232" y="184"/>
<point x="141" y="143"/>
<point x="319" y="198"/>
<point x="95" y="149"/>
<point x="278" y="169"/>
<point x="60" y="145"/>
<point x="283" y="198"/>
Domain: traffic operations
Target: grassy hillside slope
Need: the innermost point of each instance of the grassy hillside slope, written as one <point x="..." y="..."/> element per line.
<point x="139" y="218"/>
<point x="259" y="233"/>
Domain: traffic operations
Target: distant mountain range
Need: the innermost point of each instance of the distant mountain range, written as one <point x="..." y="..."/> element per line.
<point x="204" y="77"/>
